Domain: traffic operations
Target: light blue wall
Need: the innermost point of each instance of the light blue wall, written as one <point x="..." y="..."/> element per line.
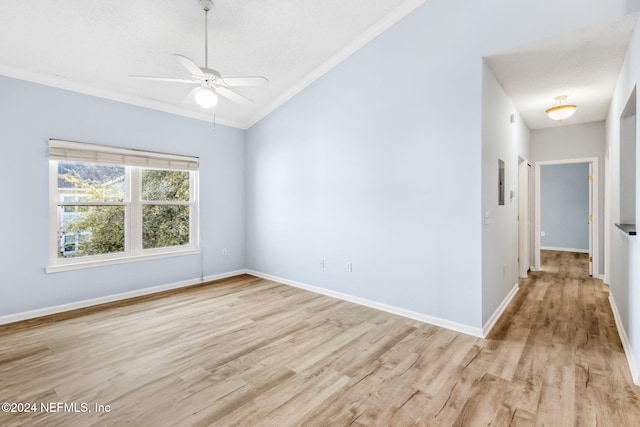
<point x="357" y="168"/>
<point x="506" y="141"/>
<point x="633" y="6"/>
<point x="30" y="114"/>
<point x="378" y="163"/>
<point x="564" y="206"/>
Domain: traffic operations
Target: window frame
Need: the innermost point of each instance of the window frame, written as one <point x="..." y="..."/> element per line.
<point x="133" y="206"/>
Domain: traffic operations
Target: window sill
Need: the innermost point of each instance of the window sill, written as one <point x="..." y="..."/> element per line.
<point x="80" y="265"/>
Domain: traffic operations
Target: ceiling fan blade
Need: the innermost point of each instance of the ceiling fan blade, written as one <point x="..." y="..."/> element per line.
<point x="164" y="79"/>
<point x="190" y="65"/>
<point x="234" y="96"/>
<point x="246" y="81"/>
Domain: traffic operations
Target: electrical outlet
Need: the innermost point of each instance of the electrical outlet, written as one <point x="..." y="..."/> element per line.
<point x="542" y="233"/>
<point x="224" y="251"/>
<point x="349" y="267"/>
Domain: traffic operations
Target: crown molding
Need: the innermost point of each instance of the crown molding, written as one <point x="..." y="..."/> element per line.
<point x="400" y="12"/>
<point x="61" y="82"/>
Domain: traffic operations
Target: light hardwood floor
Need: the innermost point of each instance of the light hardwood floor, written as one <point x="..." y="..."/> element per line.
<point x="246" y="351"/>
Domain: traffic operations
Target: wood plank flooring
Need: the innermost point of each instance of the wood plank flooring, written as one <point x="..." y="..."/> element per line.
<point x="250" y="352"/>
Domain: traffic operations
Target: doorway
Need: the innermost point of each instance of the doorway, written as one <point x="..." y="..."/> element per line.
<point x="570" y="205"/>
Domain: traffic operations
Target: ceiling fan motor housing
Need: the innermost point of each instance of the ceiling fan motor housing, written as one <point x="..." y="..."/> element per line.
<point x="206" y="5"/>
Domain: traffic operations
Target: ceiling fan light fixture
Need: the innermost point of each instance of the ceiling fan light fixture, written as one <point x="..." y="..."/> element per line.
<point x="561" y="110"/>
<point x="206" y="98"/>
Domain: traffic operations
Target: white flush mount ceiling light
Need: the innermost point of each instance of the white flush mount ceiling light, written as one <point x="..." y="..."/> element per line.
<point x="205" y="98"/>
<point x="561" y="110"/>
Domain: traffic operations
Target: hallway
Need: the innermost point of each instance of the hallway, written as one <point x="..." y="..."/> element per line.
<point x="563" y="263"/>
<point x="571" y="369"/>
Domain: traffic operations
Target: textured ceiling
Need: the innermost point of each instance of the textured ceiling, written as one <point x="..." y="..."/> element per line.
<point x="584" y="65"/>
<point x="93" y="46"/>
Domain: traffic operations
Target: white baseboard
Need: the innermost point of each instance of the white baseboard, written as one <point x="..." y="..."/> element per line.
<point x="496" y="314"/>
<point x="626" y="345"/>
<point x="432" y="320"/>
<point x="17" y="317"/>
<point x="548" y="248"/>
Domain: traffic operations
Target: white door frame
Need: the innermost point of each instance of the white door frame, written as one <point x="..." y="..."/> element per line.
<point x="591" y="187"/>
<point x="593" y="250"/>
<point x="523" y="217"/>
<point x="607" y="215"/>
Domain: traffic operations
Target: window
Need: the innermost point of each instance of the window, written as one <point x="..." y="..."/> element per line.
<point x="112" y="205"/>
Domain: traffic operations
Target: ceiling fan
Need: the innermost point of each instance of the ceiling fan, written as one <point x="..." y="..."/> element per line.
<point x="209" y="82"/>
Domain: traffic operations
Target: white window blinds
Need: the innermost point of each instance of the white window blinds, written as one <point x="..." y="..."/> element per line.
<point x="92" y="153"/>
